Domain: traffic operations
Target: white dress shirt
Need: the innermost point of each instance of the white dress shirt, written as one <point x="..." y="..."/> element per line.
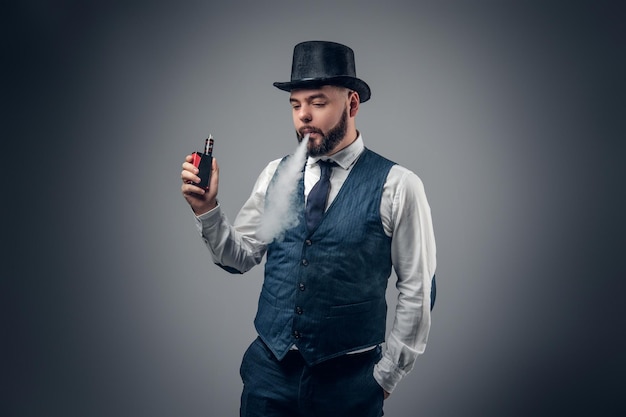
<point x="405" y="216"/>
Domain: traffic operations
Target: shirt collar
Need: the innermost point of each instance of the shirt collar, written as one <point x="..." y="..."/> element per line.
<point x="345" y="157"/>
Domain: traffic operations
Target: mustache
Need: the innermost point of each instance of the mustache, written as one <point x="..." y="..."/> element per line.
<point x="309" y="129"/>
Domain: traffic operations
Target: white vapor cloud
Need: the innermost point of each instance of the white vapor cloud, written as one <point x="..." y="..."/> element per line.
<point x="281" y="212"/>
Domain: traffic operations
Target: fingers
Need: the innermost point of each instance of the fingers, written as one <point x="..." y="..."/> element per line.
<point x="215" y="175"/>
<point x="189" y="172"/>
<point x="189" y="189"/>
<point x="189" y="177"/>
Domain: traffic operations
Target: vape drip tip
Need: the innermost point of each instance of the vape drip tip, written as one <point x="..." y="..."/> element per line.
<point x="208" y="145"/>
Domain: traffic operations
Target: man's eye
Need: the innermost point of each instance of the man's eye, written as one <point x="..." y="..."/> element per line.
<point x="295" y="106"/>
<point x="319" y="104"/>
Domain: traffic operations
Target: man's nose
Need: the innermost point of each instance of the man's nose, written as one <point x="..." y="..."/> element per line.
<point x="305" y="114"/>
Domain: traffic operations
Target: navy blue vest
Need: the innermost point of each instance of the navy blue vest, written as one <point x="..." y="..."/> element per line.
<point x="325" y="291"/>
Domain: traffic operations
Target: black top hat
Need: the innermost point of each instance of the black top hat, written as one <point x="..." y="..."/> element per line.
<point x="318" y="63"/>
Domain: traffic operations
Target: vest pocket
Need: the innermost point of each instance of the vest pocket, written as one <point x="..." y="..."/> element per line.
<point x="350" y="309"/>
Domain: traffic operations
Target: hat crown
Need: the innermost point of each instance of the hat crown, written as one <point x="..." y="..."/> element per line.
<point x="322" y="59"/>
<point x="319" y="63"/>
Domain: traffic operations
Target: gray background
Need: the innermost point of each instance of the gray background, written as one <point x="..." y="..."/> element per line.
<point x="512" y="113"/>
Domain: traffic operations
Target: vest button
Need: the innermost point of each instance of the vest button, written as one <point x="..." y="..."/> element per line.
<point x="308" y="242"/>
<point x="296" y="334"/>
<point x="302" y="286"/>
<point x="299" y="310"/>
<point x="305" y="262"/>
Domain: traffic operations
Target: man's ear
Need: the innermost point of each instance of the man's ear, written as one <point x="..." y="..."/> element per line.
<point x="354" y="103"/>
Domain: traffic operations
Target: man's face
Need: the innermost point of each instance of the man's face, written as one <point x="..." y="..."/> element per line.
<point x="323" y="114"/>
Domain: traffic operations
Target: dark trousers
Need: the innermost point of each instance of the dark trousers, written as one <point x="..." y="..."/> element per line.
<point x="340" y="387"/>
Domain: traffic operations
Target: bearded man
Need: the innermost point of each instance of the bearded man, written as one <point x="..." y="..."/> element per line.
<point x="321" y="317"/>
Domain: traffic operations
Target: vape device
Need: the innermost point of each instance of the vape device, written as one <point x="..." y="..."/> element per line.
<point x="204" y="163"/>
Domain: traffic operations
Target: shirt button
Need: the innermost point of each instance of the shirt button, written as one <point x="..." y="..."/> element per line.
<point x="305" y="262"/>
<point x="296" y="334"/>
<point x="308" y="242"/>
<point x="302" y="286"/>
<point x="299" y="310"/>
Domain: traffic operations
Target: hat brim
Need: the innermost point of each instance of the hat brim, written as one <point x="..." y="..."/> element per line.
<point x="352" y="83"/>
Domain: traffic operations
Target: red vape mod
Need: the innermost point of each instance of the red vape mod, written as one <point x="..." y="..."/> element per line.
<point x="204" y="163"/>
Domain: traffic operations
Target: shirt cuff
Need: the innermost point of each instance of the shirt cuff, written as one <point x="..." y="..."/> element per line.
<point x="387" y="374"/>
<point x="207" y="219"/>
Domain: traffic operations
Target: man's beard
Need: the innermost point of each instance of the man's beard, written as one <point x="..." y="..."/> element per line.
<point x="329" y="140"/>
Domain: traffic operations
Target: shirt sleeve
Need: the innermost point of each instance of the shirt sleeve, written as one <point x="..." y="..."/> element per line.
<point x="236" y="247"/>
<point x="413" y="256"/>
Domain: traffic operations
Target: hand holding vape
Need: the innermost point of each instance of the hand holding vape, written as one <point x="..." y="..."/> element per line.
<point x="204" y="163"/>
